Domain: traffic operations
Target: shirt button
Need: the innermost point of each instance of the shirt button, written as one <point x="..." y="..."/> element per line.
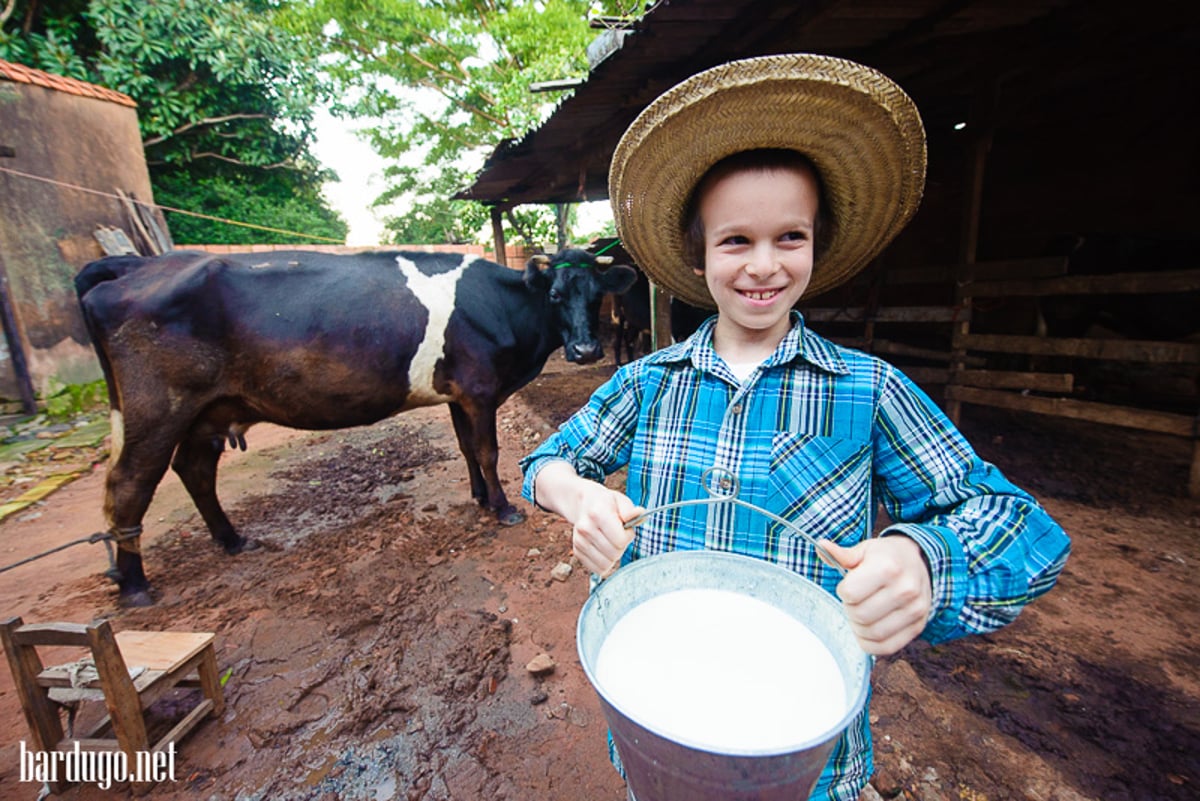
<point x="735" y="408"/>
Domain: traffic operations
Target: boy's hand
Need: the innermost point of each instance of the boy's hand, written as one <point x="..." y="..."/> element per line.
<point x="599" y="536"/>
<point x="887" y="591"/>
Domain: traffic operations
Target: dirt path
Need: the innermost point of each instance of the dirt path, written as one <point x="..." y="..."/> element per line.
<point x="376" y="644"/>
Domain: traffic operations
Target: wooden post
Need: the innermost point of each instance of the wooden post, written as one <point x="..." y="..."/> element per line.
<point x="16" y="345"/>
<point x="660" y="318"/>
<point x="981" y="123"/>
<point x="1194" y="476"/>
<point x="498" y="236"/>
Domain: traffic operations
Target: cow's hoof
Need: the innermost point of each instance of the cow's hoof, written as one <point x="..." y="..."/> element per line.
<point x="510" y="517"/>
<point x="244" y="545"/>
<point x="135" y="598"/>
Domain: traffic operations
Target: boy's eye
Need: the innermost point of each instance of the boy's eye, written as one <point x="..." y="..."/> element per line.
<point x="795" y="236"/>
<point x="734" y="240"/>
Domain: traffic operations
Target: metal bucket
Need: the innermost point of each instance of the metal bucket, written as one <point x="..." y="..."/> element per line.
<point x="658" y="768"/>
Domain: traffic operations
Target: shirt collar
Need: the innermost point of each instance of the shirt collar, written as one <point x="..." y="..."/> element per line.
<point x="798" y="343"/>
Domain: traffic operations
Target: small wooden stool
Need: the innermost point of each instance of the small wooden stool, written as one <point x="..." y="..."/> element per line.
<point x="166" y="659"/>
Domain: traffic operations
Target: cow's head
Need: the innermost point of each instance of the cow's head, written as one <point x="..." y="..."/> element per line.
<point x="575" y="283"/>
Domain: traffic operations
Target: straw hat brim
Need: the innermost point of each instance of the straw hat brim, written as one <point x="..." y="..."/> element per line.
<point x="863" y="133"/>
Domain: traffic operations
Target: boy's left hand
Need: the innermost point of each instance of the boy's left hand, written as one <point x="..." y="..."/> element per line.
<point x="887" y="591"/>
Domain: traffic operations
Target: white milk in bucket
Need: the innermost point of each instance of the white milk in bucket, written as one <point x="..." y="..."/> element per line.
<point x="723" y="671"/>
<point x="720" y="656"/>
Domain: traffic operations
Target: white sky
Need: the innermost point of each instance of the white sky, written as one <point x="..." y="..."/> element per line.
<point x="360" y="172"/>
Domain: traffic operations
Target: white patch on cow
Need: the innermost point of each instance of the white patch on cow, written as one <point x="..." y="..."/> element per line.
<point x="436" y="293"/>
<point x="117" y="423"/>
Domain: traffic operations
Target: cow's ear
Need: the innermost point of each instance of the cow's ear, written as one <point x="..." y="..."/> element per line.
<point x="617" y="279"/>
<point x="536" y="270"/>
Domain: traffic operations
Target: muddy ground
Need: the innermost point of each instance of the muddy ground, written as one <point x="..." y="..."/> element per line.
<point x="376" y="644"/>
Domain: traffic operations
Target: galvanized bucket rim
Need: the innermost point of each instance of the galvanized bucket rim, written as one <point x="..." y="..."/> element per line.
<point x="648" y="563"/>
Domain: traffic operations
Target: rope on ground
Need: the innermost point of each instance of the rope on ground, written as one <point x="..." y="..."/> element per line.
<point x="107" y="537"/>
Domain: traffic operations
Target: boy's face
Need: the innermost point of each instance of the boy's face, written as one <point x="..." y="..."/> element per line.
<point x="758" y="250"/>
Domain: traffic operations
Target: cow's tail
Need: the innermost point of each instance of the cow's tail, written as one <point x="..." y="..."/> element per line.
<point x="91" y="276"/>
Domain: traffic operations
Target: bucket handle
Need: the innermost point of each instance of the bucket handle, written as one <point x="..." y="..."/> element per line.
<point x="725" y="490"/>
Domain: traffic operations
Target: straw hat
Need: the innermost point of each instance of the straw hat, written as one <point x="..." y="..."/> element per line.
<point x="860" y="129"/>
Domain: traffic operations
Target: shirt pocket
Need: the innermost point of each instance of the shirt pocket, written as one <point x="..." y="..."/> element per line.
<point x="822" y="485"/>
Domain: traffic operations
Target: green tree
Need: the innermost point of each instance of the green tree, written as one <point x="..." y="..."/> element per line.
<point x="225" y="97"/>
<point x="449" y="79"/>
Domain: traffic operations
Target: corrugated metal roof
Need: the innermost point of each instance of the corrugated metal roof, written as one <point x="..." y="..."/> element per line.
<point x="19" y="73"/>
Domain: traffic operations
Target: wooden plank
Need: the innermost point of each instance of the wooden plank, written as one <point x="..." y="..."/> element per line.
<point x="45" y="726"/>
<point x="1128" y="350"/>
<point x="998" y="379"/>
<point x="185" y="725"/>
<point x="52" y="634"/>
<point x="1170" y="281"/>
<point x="161" y="650"/>
<point x="927" y="375"/>
<point x="136" y="220"/>
<point x="1147" y="420"/>
<point x="120" y="696"/>
<point x="887" y="314"/>
<point x="210" y="681"/>
<point x="890" y="348"/>
<point x="1008" y="269"/>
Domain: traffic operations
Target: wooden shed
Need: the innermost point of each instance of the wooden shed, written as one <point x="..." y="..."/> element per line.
<point x="69" y="150"/>
<point x="1051" y="267"/>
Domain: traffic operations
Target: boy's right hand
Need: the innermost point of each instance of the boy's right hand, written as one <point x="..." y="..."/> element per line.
<point x="599" y="536"/>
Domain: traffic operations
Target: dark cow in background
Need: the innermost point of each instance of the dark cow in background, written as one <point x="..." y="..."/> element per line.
<point x="196" y="348"/>
<point x="631" y="316"/>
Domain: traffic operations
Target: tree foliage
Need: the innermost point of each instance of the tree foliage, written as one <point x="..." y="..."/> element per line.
<point x="225" y="96"/>
<point x="449" y="79"/>
<point x="226" y="93"/>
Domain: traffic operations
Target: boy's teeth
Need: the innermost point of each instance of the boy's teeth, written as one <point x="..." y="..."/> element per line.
<point x="760" y="295"/>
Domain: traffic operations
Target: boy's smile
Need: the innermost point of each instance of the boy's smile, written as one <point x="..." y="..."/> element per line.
<point x="758" y="255"/>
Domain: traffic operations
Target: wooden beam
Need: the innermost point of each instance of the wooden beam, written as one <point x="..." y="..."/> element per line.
<point x="560" y="85"/>
<point x="984" y="271"/>
<point x="887" y="314"/>
<point x="927" y="375"/>
<point x="888" y="347"/>
<point x="1038" y="382"/>
<point x="1146" y="420"/>
<point x="1119" y="284"/>
<point x="1127" y="350"/>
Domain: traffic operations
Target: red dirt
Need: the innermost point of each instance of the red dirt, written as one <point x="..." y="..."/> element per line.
<point x="377" y="642"/>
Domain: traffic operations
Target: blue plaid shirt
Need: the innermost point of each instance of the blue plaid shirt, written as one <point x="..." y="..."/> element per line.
<point x="820" y="435"/>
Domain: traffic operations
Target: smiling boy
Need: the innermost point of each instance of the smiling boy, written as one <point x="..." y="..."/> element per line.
<point x="749" y="187"/>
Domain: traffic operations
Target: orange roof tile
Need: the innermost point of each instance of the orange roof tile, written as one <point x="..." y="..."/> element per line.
<point x="22" y="74"/>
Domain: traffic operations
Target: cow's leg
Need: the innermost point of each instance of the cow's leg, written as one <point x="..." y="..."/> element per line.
<point x="465" y="432"/>
<point x="475" y="426"/>
<point x="195" y="463"/>
<point x="138" y="466"/>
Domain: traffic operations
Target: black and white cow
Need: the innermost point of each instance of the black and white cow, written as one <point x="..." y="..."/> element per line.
<point x="197" y="347"/>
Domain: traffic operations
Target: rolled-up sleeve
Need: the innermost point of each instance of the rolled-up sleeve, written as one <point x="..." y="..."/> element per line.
<point x="595" y="440"/>
<point x="991" y="547"/>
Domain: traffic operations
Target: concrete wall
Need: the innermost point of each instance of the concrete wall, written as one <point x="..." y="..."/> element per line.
<point x="46" y="228"/>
